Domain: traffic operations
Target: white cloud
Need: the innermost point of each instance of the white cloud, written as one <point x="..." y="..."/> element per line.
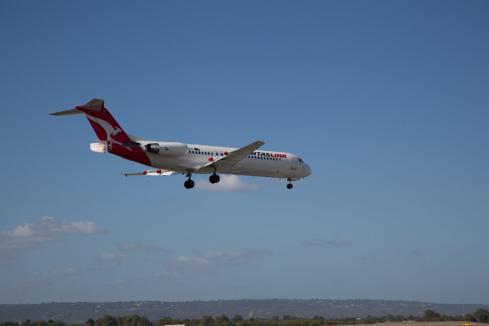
<point x="164" y="274"/>
<point x="126" y="252"/>
<point x="56" y="274"/>
<point x="83" y="227"/>
<point x="22" y="231"/>
<point x="193" y="260"/>
<point x="138" y="247"/>
<point x="227" y="183"/>
<point x="233" y="257"/>
<point x="46" y="229"/>
<point x="210" y="261"/>
<point x="326" y="243"/>
<point x="47" y="219"/>
<point x="52" y="276"/>
<point x="112" y="257"/>
<point x="69" y="271"/>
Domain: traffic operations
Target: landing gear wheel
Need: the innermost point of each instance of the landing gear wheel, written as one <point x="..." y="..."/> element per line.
<point x="290" y="186"/>
<point x="189" y="184"/>
<point x="214" y="178"/>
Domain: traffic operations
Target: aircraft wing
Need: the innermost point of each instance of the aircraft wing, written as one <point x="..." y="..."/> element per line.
<point x="157" y="173"/>
<point x="234" y="157"/>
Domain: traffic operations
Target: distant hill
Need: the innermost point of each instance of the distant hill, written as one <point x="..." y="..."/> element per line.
<point x="154" y="310"/>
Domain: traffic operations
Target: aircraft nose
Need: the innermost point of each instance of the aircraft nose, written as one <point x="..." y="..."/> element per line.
<point x="307" y="170"/>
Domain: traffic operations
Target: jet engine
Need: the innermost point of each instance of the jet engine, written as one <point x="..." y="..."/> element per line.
<point x="166" y="148"/>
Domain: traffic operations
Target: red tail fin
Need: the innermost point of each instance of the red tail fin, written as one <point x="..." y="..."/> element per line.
<point x="103" y="123"/>
<point x="108" y="130"/>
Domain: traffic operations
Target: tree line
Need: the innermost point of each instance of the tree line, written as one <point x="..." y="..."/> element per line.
<point x="480" y="315"/>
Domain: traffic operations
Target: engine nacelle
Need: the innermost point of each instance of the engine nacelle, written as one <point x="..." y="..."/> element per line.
<point x="166" y="148"/>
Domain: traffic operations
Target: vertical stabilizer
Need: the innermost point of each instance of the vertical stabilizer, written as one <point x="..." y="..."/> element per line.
<point x="109" y="131"/>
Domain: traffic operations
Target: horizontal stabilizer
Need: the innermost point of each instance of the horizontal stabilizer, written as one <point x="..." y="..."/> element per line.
<point x="96" y="105"/>
<point x="67" y="112"/>
<point x="158" y="173"/>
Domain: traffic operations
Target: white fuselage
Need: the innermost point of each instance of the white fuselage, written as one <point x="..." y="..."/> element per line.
<point x="259" y="163"/>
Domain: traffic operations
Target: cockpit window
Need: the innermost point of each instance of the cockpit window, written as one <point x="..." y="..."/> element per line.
<point x="301" y="161"/>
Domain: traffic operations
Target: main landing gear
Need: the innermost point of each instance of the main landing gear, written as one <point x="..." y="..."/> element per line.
<point x="189" y="183"/>
<point x="214" y="178"/>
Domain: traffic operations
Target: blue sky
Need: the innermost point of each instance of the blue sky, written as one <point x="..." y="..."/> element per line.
<point x="386" y="100"/>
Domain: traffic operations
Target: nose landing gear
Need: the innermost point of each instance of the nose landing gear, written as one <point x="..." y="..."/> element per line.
<point x="289" y="185"/>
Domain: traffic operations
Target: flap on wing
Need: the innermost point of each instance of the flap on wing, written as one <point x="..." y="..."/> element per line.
<point x="157" y="173"/>
<point x="235" y="156"/>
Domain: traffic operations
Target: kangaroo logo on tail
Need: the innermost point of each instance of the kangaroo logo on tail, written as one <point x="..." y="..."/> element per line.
<point x="110" y="131"/>
<point x="104" y="125"/>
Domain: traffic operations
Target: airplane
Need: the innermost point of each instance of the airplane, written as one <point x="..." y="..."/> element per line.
<point x="170" y="158"/>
